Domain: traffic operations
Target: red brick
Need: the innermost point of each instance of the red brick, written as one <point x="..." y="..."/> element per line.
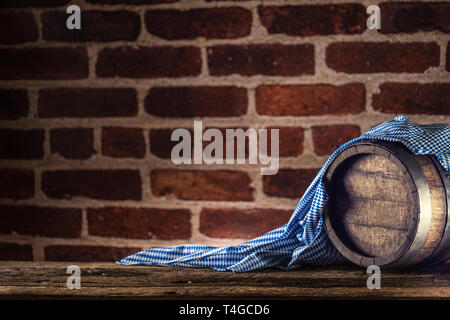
<point x="41" y="221"/>
<point x="112" y="2"/>
<point x="447" y="65"/>
<point x="289" y="183"/>
<point x="16" y="183"/>
<point x="202" y="185"/>
<point x="15" y="252"/>
<point x="17" y="27"/>
<point x="97" y="26"/>
<point x="21" y="144"/>
<point x="44" y="63"/>
<point x="97" y="184"/>
<point x="13" y="104"/>
<point x="408" y="17"/>
<point x="413" y="98"/>
<point x="374" y="57"/>
<point x="263" y="59"/>
<point x="72" y="143"/>
<point x="140" y="223"/>
<point x="328" y="138"/>
<point x="306" y="100"/>
<point x="213" y="23"/>
<point x="244" y="224"/>
<point x="290" y="141"/>
<point x="161" y="144"/>
<point x="87" y="102"/>
<point x="123" y="142"/>
<point x="149" y="62"/>
<point x="32" y="3"/>
<point x="74" y="253"/>
<point x="182" y="102"/>
<point x="310" y="20"/>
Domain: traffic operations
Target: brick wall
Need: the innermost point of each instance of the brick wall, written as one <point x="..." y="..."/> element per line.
<point x="86" y="116"/>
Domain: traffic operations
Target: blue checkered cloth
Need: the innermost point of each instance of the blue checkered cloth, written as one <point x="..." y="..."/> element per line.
<point x="303" y="239"/>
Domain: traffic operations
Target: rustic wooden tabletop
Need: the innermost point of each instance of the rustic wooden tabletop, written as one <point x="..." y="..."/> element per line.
<point x="48" y="280"/>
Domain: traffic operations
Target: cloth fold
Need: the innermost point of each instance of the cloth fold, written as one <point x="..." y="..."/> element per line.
<point x="303" y="239"/>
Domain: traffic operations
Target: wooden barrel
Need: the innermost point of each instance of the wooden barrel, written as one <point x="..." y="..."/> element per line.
<point x="387" y="206"/>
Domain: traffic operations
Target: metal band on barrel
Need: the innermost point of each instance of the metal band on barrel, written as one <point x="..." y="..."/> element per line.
<point x="444" y="244"/>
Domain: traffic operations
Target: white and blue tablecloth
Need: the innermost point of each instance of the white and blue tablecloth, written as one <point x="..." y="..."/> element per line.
<point x="303" y="239"/>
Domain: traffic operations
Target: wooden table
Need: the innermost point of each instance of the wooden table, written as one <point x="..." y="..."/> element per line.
<point x="47" y="280"/>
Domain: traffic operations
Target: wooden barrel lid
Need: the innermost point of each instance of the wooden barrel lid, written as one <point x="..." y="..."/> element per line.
<point x="372" y="215"/>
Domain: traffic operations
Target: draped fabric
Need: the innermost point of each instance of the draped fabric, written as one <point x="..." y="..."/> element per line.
<point x="303" y="239"/>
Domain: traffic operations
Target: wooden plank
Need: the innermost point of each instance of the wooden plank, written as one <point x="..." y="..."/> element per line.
<point x="236" y="292"/>
<point x="109" y="280"/>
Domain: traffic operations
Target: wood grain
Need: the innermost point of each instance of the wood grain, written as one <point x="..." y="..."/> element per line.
<point x="372" y="202"/>
<point x="438" y="210"/>
<point x="33" y="280"/>
<point x="387" y="206"/>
